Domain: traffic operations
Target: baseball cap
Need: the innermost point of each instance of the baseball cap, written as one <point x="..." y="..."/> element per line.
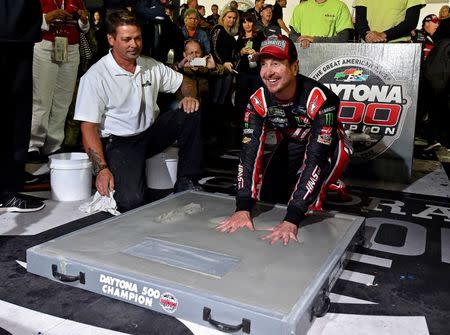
<point x="430" y="18"/>
<point x="277" y="46"/>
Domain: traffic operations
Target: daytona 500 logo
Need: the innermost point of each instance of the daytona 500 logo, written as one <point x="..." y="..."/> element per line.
<point x="373" y="104"/>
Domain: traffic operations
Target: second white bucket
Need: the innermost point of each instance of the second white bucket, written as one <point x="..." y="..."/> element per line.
<point x="70" y="176"/>
<point x="161" y="169"/>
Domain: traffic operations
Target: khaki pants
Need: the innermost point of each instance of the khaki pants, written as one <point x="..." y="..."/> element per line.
<point x="53" y="87"/>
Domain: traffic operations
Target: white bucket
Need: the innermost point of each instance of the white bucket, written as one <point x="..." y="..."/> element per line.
<point x="161" y="169"/>
<point x="70" y="176"/>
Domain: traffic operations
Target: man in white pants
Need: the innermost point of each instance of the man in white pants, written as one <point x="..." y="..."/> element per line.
<point x="55" y="68"/>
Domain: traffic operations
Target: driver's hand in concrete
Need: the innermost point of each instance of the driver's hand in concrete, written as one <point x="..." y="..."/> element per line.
<point x="239" y="219"/>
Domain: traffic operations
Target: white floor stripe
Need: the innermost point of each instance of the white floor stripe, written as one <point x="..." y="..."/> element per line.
<point x="384" y="262"/>
<point x="22" y="321"/>
<point x="22" y="264"/>
<point x="349" y="324"/>
<point x="357" y="277"/>
<point x="445" y="238"/>
<point x="200" y="330"/>
<point x="343" y="299"/>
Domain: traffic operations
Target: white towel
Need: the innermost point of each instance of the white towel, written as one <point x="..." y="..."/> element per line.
<point x="101" y="203"/>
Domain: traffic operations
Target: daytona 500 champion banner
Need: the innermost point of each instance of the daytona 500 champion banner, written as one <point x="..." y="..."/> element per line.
<point x="378" y="87"/>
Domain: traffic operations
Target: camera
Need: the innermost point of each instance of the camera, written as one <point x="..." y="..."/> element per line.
<point x="251" y="63"/>
<point x="198" y="62"/>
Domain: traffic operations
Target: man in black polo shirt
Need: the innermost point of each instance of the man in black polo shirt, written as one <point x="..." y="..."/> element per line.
<point x="277" y="15"/>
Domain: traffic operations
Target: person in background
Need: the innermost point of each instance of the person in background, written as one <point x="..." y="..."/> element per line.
<point x="235" y="6"/>
<point x="160" y="34"/>
<point x="20" y="29"/>
<point x="444" y="12"/>
<point x="257" y="9"/>
<point x="277" y="15"/>
<point x="170" y="10"/>
<point x="193" y="50"/>
<point x="320" y="21"/>
<point x="181" y="10"/>
<point x="153" y="10"/>
<point x="265" y="25"/>
<point x="55" y="68"/>
<point x="248" y="79"/>
<point x="189" y="4"/>
<point x="436" y="84"/>
<point x="192" y="3"/>
<point x="311" y="156"/>
<point x="425" y="35"/>
<point x="202" y="22"/>
<point x="121" y="123"/>
<point x="201" y="75"/>
<point x="191" y="29"/>
<point x="222" y="38"/>
<point x="213" y="19"/>
<point x="386" y="20"/>
<point x="96" y="20"/>
<point x="98" y="26"/>
<point x="443" y="31"/>
<point x="201" y="10"/>
<point x="223" y="46"/>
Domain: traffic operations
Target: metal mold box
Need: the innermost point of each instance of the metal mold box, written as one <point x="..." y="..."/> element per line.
<point x="167" y="256"/>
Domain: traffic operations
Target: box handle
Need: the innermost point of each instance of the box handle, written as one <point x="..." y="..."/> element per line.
<point x="322" y="306"/>
<point x="67" y="278"/>
<point x="245" y="325"/>
<point x="360" y="239"/>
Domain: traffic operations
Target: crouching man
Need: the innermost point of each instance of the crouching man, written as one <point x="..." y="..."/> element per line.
<point x="121" y="122"/>
<point x="311" y="155"/>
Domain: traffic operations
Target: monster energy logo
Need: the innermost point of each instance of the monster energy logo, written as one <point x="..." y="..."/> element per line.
<point x="329" y="117"/>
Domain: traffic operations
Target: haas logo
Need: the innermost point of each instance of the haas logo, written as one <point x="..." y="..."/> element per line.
<point x="312" y="181"/>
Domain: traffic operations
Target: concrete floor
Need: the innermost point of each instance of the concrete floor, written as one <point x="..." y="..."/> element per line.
<point x="429" y="178"/>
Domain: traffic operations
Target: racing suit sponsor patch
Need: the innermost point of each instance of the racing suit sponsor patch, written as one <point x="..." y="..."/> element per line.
<point x="240" y="176"/>
<point x="311" y="183"/>
<point x="277" y="117"/>
<point x="315" y="101"/>
<point x="246" y="140"/>
<point x="329" y="119"/>
<point x="258" y="102"/>
<point x="328" y="110"/>
<point x="247" y="114"/>
<point x="325" y="136"/>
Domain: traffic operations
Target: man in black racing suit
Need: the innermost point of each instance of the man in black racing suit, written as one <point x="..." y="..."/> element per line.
<point x="304" y="112"/>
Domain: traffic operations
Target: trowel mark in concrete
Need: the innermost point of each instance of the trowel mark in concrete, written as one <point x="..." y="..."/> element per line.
<point x="178" y="214"/>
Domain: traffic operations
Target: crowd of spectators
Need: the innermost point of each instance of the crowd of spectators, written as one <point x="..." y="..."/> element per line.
<point x="74" y="38"/>
<point x="221" y="36"/>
